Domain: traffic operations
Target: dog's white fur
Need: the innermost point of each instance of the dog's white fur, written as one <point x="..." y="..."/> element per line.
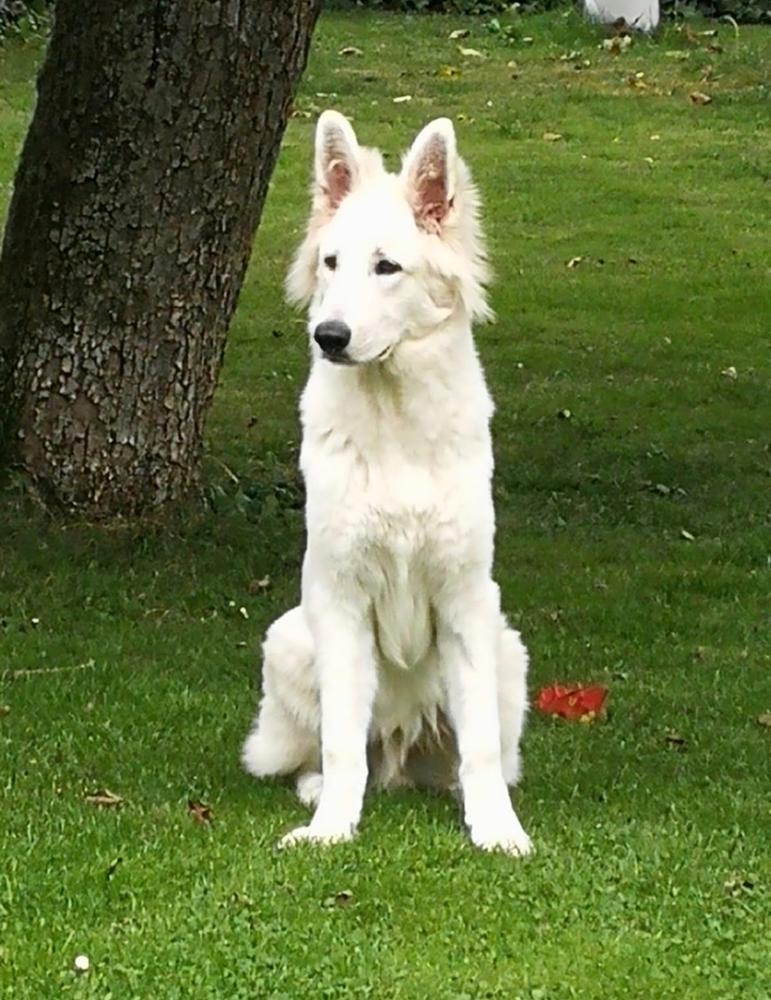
<point x="398" y="651"/>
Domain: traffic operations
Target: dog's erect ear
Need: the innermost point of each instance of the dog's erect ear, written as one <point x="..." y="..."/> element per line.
<point x="337" y="158"/>
<point x="337" y="167"/>
<point x="429" y="171"/>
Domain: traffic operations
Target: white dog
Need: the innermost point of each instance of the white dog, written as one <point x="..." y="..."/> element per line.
<point x="398" y="662"/>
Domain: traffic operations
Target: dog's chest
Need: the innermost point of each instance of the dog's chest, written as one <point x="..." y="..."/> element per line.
<point x="397" y="508"/>
<point x="398" y="578"/>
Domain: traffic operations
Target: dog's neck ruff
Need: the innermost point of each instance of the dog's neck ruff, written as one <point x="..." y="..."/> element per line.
<point x="429" y="394"/>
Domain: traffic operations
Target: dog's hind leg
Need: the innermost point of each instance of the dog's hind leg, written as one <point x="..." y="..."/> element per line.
<point x="285" y="734"/>
<point x="308" y="787"/>
<point x="512" y="699"/>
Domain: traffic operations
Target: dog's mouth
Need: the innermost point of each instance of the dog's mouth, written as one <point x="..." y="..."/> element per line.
<point x="385" y="353"/>
<point x="344" y="359"/>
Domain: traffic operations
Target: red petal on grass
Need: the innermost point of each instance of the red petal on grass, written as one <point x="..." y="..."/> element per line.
<point x="571" y="701"/>
<point x="593" y="697"/>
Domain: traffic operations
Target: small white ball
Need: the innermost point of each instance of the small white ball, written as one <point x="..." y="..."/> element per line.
<point x="81" y="963"/>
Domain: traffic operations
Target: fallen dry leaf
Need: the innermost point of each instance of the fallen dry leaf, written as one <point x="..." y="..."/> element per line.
<point x="765" y="720"/>
<point x="695" y="38"/>
<point x="684" y="533"/>
<point x="576" y="702"/>
<point x="738" y="885"/>
<point x="449" y="72"/>
<point x="697" y="97"/>
<point x="350" y="50"/>
<point x="574" y="262"/>
<point x="104" y="797"/>
<point x="403" y="99"/>
<point x="470" y="53"/>
<point x="730" y="372"/>
<point x="690" y="36"/>
<point x="198" y="811"/>
<point x="340" y="899"/>
<point x="552" y="136"/>
<point x="616" y="45"/>
<point x="458" y="33"/>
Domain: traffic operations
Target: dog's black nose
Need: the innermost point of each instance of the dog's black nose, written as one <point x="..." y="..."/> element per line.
<point x="333" y="336"/>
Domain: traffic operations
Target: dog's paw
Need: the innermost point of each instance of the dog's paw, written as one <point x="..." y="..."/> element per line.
<point x="309" y="787"/>
<point x="316" y="835"/>
<point x="507" y="836"/>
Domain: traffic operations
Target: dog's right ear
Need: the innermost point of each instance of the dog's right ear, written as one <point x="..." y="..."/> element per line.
<point x="336" y="169"/>
<point x="336" y="163"/>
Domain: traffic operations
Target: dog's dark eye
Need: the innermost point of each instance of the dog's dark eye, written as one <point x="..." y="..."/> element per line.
<point x="387" y="267"/>
<point x="331" y="261"/>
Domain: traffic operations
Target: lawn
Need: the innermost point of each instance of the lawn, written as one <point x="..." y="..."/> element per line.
<point x="634" y="498"/>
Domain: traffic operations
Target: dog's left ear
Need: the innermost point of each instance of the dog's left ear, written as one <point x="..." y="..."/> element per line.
<point x="430" y="172"/>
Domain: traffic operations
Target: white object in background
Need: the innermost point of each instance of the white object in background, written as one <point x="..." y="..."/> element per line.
<point x="642" y="15"/>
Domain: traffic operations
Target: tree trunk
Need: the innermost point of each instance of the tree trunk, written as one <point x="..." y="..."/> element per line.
<point x="140" y="185"/>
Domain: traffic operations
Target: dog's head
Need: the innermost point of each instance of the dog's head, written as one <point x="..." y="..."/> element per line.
<point x="387" y="257"/>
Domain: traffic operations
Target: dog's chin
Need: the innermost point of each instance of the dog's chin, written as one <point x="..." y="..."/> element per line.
<point x="338" y="359"/>
<point x="346" y="360"/>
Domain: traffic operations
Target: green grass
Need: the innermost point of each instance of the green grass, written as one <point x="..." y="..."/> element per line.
<point x="652" y="874"/>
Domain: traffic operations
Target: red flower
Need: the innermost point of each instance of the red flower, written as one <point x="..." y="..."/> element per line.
<point x="572" y="701"/>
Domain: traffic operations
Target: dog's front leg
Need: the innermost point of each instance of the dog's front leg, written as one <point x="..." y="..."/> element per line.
<point x="347" y="676"/>
<point x="468" y="641"/>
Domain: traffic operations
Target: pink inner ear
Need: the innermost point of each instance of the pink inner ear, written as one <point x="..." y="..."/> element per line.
<point x="337" y="181"/>
<point x="430" y="185"/>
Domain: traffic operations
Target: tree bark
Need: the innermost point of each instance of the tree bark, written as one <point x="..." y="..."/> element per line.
<point x="140" y="185"/>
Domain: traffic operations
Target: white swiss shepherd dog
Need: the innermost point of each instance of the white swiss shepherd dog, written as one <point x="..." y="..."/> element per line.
<point x="398" y="665"/>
